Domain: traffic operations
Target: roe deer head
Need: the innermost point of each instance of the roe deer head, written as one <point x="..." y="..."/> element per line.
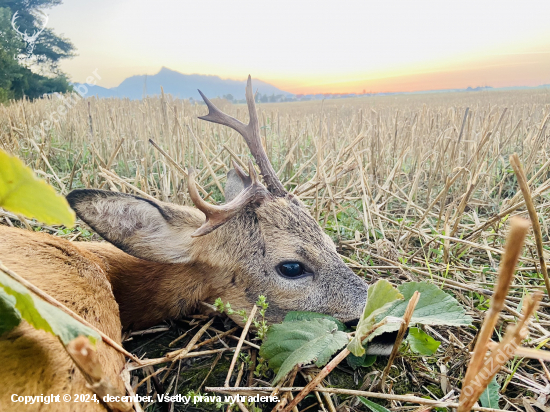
<point x="263" y="241"/>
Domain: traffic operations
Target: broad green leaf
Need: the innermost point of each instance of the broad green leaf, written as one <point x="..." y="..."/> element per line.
<point x="421" y="342"/>
<point x="23" y="193"/>
<point x="380" y="297"/>
<point x="15" y="297"/>
<point x="360" y="361"/>
<point x="9" y="316"/>
<point x="374" y="407"/>
<point x="300" y="343"/>
<point x="490" y="396"/>
<point x="298" y="315"/>
<point x="434" y="307"/>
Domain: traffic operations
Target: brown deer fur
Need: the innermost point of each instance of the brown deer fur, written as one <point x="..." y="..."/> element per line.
<point x="33" y="362"/>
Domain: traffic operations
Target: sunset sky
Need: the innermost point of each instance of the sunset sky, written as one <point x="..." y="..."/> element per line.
<point x="313" y="46"/>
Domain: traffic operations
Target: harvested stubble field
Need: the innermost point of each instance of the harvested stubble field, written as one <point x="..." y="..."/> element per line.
<point x="410" y="187"/>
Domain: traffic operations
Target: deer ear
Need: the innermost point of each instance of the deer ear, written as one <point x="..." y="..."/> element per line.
<point x="237" y="181"/>
<point x="143" y="228"/>
<point x="233" y="186"/>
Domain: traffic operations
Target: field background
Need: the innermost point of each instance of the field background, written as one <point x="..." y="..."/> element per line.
<point x="410" y="187"/>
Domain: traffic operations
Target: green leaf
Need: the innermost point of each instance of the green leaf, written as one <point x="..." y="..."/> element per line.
<point x="23" y="193"/>
<point x="298" y="315"/>
<point x="300" y="343"/>
<point x="380" y="297"/>
<point x="9" y="316"/>
<point x="421" y="342"/>
<point x="434" y="307"/>
<point x="490" y="396"/>
<point x="360" y="361"/>
<point x="374" y="407"/>
<point x="17" y="301"/>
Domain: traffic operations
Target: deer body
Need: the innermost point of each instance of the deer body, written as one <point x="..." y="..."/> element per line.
<point x="33" y="362"/>
<point x="163" y="259"/>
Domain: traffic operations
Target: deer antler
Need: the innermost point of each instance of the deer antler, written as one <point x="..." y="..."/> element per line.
<point x="251" y="134"/>
<point x="218" y="215"/>
<point x="34" y="36"/>
<point x="14" y="17"/>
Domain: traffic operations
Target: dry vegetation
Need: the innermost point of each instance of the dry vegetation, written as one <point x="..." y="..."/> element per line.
<point x="410" y="188"/>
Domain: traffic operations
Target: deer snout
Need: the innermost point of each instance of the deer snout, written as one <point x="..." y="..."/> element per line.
<point x="351" y="295"/>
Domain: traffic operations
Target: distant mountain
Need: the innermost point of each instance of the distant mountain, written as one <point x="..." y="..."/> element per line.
<point x="185" y="86"/>
<point x="180" y="85"/>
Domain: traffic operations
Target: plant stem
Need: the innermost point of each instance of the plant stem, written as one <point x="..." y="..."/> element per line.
<point x="524" y="186"/>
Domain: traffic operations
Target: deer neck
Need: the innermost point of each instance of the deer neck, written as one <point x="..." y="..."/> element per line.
<point x="147" y="292"/>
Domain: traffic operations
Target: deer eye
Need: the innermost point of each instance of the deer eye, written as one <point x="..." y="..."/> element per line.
<point x="292" y="270"/>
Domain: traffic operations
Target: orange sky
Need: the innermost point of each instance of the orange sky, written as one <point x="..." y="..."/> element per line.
<point x="306" y="46"/>
<point x="496" y="71"/>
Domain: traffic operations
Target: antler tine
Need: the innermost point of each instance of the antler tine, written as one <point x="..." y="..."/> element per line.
<point x="251" y="134"/>
<point x="44" y="23"/>
<point x="252" y="172"/>
<point x="218" y="215"/>
<point x="254" y="143"/>
<point x="205" y="207"/>
<point x="215" y="115"/>
<point x="13" y="18"/>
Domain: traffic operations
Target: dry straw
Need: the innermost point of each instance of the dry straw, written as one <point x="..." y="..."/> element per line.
<point x="482" y="368"/>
